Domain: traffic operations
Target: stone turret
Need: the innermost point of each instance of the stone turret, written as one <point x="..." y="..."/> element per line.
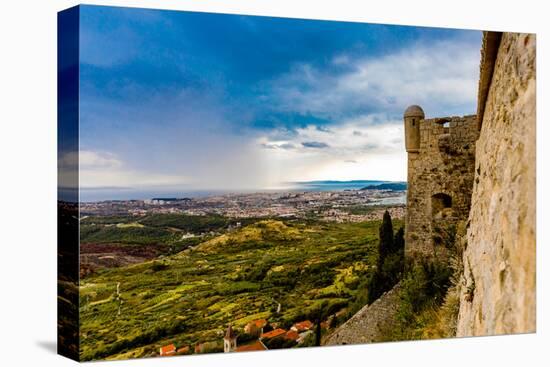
<point x="440" y="172"/>
<point x="412" y="116"/>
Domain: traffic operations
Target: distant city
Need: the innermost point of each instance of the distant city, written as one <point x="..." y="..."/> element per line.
<point x="339" y="201"/>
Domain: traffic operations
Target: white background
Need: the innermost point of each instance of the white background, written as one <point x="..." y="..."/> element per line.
<point x="28" y="182"/>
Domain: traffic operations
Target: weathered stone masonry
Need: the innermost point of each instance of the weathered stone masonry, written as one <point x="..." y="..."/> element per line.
<point x="499" y="271"/>
<point x="371" y="323"/>
<point x="440" y="177"/>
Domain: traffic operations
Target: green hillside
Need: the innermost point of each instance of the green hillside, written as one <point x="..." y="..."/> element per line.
<point x="236" y="277"/>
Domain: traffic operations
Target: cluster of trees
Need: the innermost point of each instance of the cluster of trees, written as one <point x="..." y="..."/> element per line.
<point x="131" y="235"/>
<point x="189" y="223"/>
<point x="390" y="268"/>
<point x="391" y="259"/>
<point x="100" y="229"/>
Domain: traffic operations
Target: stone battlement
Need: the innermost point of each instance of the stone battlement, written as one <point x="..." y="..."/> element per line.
<point x="450" y="134"/>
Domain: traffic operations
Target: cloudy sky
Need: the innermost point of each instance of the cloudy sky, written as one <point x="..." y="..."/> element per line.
<point x="193" y="101"/>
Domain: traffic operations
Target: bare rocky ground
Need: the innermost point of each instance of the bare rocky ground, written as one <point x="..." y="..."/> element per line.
<point x="95" y="256"/>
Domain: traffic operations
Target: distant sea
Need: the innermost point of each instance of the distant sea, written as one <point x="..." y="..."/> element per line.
<point x="91" y="195"/>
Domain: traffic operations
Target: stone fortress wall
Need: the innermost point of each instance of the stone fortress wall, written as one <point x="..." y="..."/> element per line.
<point x="500" y="259"/>
<point x="369" y="325"/>
<point x="441" y="154"/>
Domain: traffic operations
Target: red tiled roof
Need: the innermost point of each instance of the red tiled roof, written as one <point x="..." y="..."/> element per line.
<point x="257" y="345"/>
<point x="292" y="335"/>
<point x="198" y="348"/>
<point x="303" y="325"/>
<point x="273" y="333"/>
<point x="260" y="323"/>
<point x="167" y="350"/>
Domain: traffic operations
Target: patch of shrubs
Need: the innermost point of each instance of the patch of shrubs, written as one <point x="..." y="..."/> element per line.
<point x="190" y="223"/>
<point x="426" y="282"/>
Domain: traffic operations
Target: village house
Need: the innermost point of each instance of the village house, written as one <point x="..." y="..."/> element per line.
<point x="207" y="347"/>
<point x="297" y="333"/>
<point x="292" y="335"/>
<point x="254" y="346"/>
<point x="273" y="334"/>
<point x="302" y="326"/>
<point x="168" y="350"/>
<point x="255" y="327"/>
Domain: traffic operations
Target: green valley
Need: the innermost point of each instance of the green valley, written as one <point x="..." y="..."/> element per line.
<point x="282" y="271"/>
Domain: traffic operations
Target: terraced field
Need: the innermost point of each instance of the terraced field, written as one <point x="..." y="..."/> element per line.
<point x="236" y="277"/>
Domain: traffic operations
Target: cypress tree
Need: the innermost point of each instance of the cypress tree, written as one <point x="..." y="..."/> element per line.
<point x="399" y="240"/>
<point x="390" y="259"/>
<point x="318" y="333"/>
<point x="385" y="246"/>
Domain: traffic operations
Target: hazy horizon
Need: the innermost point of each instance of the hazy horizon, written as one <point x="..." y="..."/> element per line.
<point x="110" y="193"/>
